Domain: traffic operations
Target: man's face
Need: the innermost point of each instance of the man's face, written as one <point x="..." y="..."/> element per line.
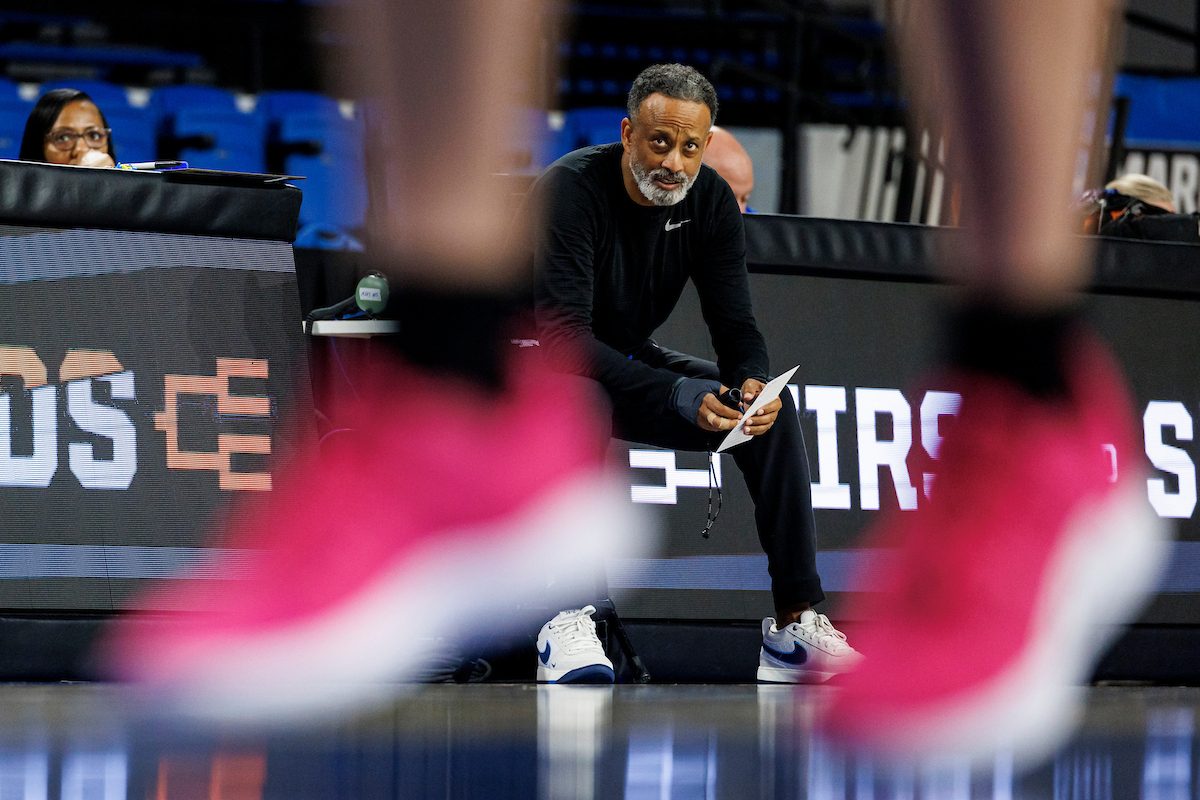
<point x="663" y="146"/>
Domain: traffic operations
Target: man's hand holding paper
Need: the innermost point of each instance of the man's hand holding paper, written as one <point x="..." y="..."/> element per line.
<point x="762" y="420"/>
<point x="763" y="400"/>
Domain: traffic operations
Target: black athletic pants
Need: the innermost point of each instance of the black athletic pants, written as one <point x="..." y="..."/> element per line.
<point x="774" y="465"/>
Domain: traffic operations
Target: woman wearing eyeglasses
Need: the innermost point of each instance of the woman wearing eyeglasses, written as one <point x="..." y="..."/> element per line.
<point x="66" y="127"/>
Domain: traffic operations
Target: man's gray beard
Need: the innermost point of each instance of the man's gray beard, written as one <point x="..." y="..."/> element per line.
<point x="656" y="194"/>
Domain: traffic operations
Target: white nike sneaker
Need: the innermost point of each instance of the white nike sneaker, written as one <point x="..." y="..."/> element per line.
<point x="570" y="652"/>
<point x="808" y="651"/>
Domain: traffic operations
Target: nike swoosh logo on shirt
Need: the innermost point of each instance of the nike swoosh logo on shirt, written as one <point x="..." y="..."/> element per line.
<point x="673" y="225"/>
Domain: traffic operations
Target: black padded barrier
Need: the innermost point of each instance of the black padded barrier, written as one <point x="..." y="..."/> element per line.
<point x="204" y="203"/>
<point x="785" y="245"/>
<point x="890" y="251"/>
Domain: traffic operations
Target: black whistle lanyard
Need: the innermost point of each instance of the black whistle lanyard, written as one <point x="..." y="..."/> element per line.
<point x="733" y="399"/>
<point x="712" y="481"/>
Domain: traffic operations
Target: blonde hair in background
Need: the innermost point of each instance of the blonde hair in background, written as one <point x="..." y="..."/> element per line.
<point x="1144" y="188"/>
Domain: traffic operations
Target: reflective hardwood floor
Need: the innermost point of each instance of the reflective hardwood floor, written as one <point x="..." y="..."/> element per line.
<point x="496" y="741"/>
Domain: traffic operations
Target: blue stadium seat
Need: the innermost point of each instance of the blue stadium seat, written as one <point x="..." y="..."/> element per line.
<point x="12" y="128"/>
<point x="13" y="113"/>
<point x="104" y="93"/>
<point x="100" y="57"/>
<point x="320" y="143"/>
<point x="213" y="131"/>
<point x="133" y="132"/>
<point x="170" y="99"/>
<point x="10" y="94"/>
<point x="320" y="236"/>
<point x="224" y="140"/>
<point x="587" y="126"/>
<point x="134" y="129"/>
<point x="537" y="139"/>
<point x="275" y="105"/>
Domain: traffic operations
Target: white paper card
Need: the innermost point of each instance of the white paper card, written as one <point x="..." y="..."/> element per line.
<point x="769" y="393"/>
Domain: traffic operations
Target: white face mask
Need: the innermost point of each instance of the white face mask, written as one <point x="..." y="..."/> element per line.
<point x="656" y="194"/>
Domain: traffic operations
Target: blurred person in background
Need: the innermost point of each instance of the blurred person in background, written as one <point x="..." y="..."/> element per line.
<point x="1144" y="188"/>
<point x="727" y="156"/>
<point x="1136" y="206"/>
<point x="66" y="127"/>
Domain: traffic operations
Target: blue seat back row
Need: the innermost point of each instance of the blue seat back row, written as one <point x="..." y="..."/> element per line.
<point x="298" y="133"/>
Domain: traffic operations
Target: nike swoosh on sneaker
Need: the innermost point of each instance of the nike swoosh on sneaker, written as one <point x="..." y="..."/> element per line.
<point x="545" y="655"/>
<point x="798" y="656"/>
<point x="674" y="225"/>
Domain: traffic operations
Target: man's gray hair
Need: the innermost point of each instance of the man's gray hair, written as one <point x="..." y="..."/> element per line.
<point x="677" y="81"/>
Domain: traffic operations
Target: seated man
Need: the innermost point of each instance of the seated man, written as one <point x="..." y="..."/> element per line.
<point x="726" y="155"/>
<point x="624" y="227"/>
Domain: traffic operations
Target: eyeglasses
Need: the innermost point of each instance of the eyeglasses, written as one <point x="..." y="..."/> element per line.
<point x="64" y="138"/>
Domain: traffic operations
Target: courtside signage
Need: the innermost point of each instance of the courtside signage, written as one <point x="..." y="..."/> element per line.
<point x="908" y="451"/>
<point x="85" y="420"/>
<point x="148" y="383"/>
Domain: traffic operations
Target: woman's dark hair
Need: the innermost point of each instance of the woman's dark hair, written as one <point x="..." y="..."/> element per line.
<point x="41" y="120"/>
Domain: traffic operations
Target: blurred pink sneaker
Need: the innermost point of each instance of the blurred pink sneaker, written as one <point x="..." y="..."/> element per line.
<point x="450" y="508"/>
<point x="1003" y="590"/>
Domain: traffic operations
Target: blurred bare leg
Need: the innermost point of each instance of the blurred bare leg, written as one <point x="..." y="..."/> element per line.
<point x="1011" y="82"/>
<point x="445" y="507"/>
<point x="1030" y="551"/>
<point x="450" y="77"/>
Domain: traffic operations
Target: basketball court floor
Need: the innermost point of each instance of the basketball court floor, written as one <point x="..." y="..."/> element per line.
<point x="669" y="742"/>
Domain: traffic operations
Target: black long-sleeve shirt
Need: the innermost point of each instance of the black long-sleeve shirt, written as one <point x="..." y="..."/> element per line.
<point x="608" y="272"/>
